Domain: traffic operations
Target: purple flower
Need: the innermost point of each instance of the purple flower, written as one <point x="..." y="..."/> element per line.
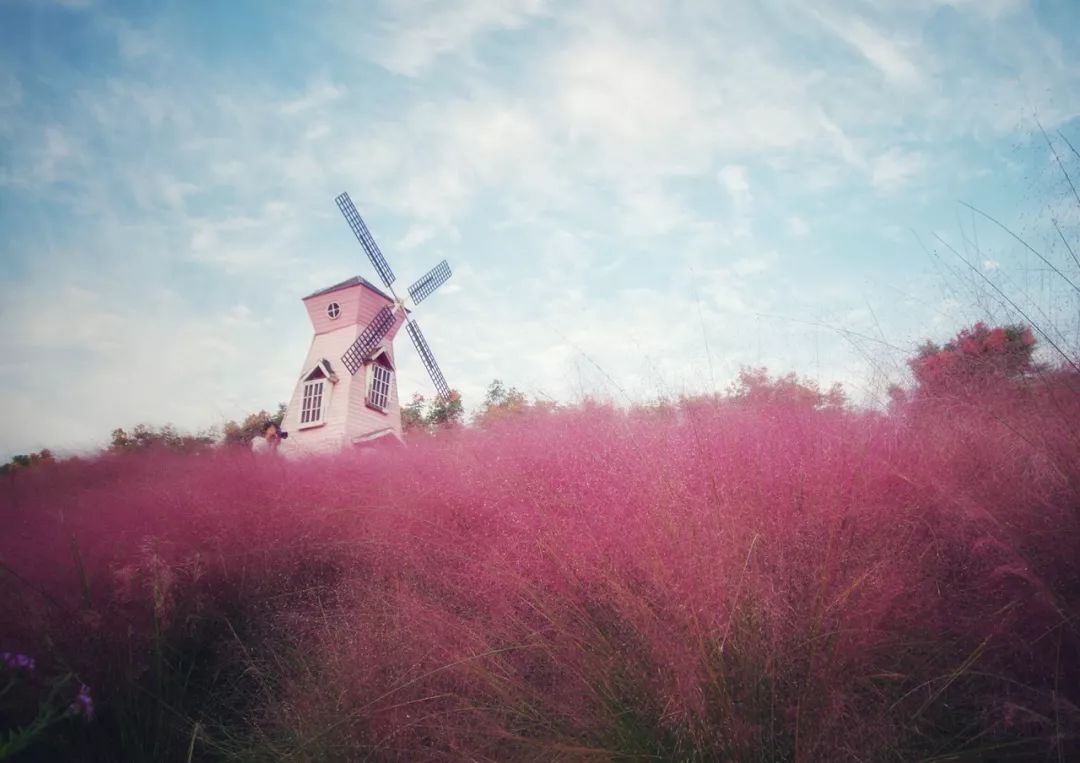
<point x="17" y="661"/>
<point x="83" y="704"/>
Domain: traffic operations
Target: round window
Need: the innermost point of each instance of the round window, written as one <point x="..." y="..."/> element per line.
<point x="333" y="310"/>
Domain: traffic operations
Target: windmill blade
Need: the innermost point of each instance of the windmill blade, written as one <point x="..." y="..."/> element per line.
<point x="363" y="235"/>
<point x="368" y="340"/>
<point x="428" y="359"/>
<point x="424" y="287"/>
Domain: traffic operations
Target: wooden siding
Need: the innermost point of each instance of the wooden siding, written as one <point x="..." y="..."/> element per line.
<point x="331" y="435"/>
<point x="347" y="414"/>
<point x="361" y="418"/>
<point x="358" y="306"/>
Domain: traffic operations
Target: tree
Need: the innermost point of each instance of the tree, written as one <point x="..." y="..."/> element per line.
<point x="425" y="416"/>
<point x="754" y="386"/>
<point x="29" y="460"/>
<point x="500" y="402"/>
<point x="413" y="417"/>
<point x="144" y="437"/>
<point x="974" y="357"/>
<point x="252" y="426"/>
<point x="446" y="412"/>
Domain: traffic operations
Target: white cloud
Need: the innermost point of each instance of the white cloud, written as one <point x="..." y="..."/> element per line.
<point x="317" y="131"/>
<point x="649" y="211"/>
<point x="733" y="179"/>
<point x="132" y="43"/>
<point x="991" y="9"/>
<point x="896" y="168"/>
<point x="417" y="235"/>
<point x="420" y="32"/>
<point x="72" y="318"/>
<point x="886" y="54"/>
<point x="623" y="95"/>
<point x="797" y="226"/>
<point x="318" y="95"/>
<point x="57" y="149"/>
<point x="99" y="363"/>
<point x="244" y="244"/>
<point x="756" y="265"/>
<point x="53" y="154"/>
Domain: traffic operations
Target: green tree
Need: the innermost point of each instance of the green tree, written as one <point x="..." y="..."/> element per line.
<point x="423" y="416"/>
<point x="500" y="402"/>
<point x="28" y="460"/>
<point x="446" y="411"/>
<point x="413" y="416"/>
<point x="754" y="386"/>
<point x="144" y="437"/>
<point x="252" y="426"/>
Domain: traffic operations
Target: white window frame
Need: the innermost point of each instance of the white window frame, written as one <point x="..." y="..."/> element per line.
<point x="333" y="311"/>
<point x="373" y="384"/>
<point x="313" y="399"/>
<point x="315" y="396"/>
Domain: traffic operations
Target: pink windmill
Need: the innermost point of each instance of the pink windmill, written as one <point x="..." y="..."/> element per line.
<point x="355" y="324"/>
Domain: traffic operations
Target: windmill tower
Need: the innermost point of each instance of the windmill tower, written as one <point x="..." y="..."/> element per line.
<point x="347" y="390"/>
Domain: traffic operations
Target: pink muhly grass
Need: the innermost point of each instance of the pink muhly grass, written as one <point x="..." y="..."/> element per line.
<point x="759" y="578"/>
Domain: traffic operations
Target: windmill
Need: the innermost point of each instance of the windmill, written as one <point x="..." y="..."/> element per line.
<point x="355" y="356"/>
<point x="354" y="325"/>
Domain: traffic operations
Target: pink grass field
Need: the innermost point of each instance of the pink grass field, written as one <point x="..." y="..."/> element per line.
<point x="714" y="579"/>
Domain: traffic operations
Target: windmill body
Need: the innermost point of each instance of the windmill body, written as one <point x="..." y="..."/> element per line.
<point x="347" y="391"/>
<point x="330" y="407"/>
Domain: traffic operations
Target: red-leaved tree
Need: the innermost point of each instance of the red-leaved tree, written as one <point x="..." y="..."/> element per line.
<point x="975" y="356"/>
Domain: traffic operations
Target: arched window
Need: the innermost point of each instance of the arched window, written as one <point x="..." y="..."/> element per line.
<point x="315" y="397"/>
<point x="379" y="381"/>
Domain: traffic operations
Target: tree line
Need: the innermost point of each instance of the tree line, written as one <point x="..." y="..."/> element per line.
<point x="976" y="357"/>
<point x="420" y="416"/>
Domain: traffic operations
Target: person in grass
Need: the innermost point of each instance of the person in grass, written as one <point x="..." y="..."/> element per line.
<point x="270" y="439"/>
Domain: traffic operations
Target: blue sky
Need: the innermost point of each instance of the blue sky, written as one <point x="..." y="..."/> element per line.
<point x="637" y="198"/>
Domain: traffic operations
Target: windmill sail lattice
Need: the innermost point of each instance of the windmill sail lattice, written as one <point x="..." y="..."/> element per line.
<point x="424" y="287"/>
<point x="428" y="359"/>
<point x="368" y="340"/>
<point x="363" y="235"/>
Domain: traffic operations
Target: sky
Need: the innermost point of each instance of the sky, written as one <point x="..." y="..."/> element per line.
<point x="637" y="199"/>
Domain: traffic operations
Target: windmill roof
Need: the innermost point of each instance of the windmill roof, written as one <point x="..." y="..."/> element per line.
<point x="348" y="283"/>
